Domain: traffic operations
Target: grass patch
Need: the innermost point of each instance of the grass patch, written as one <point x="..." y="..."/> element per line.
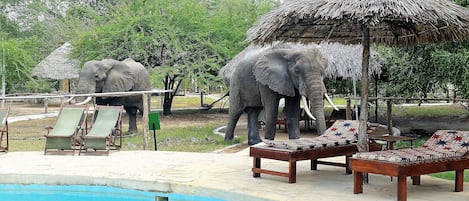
<point x="429" y="111"/>
<point x="450" y="175"/>
<point x="187" y="139"/>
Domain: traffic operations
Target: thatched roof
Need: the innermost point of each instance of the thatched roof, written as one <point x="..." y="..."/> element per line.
<point x="391" y="22"/>
<point x="344" y="61"/>
<point x="58" y="66"/>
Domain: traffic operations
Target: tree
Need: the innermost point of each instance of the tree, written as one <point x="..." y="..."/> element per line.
<point x="177" y="39"/>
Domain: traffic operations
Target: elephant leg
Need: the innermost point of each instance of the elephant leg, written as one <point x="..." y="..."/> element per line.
<point x="132" y="112"/>
<point x="234" y="115"/>
<point x="253" y="125"/>
<point x="292" y="113"/>
<point x="270" y="102"/>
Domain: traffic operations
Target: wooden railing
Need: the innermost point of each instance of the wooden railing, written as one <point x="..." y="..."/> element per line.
<point x="145" y="97"/>
<point x="389" y="103"/>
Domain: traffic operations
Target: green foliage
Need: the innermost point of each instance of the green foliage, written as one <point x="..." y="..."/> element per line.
<point x="18" y="64"/>
<point x="189" y="37"/>
<point x="421" y="70"/>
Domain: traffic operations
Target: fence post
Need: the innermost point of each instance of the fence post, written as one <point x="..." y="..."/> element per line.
<point x="146" y="111"/>
<point x="348" y="114"/>
<point x="46" y="105"/>
<point x="389" y="116"/>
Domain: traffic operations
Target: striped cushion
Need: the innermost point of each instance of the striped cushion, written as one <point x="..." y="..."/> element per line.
<point x="443" y="144"/>
<point x="341" y="133"/>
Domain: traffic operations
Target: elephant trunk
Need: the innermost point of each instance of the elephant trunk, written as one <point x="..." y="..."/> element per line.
<point x="84" y="86"/>
<point x="315" y="94"/>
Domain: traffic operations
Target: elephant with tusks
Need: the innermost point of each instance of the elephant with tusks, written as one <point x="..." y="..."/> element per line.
<point x="260" y="78"/>
<point x="109" y="75"/>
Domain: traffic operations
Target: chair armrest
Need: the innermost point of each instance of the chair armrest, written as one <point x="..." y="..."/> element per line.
<point x="48" y="128"/>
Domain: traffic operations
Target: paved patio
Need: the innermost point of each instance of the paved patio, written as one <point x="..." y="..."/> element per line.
<point x="221" y="175"/>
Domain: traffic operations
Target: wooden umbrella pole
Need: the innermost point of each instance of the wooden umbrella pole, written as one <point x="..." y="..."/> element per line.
<point x="362" y="138"/>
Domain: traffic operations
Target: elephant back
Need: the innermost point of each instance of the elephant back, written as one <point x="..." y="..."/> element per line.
<point x="142" y="81"/>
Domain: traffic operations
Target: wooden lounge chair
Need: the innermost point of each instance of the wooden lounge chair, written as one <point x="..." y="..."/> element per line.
<point x="4" y="129"/>
<point x="106" y="127"/>
<point x="64" y="134"/>
<point x="446" y="150"/>
<point x="338" y="140"/>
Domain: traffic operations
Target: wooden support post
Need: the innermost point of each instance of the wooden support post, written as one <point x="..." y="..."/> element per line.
<point x="357" y="182"/>
<point x="292" y="171"/>
<point x="46" y="105"/>
<point x="257" y="165"/>
<point x="348" y="112"/>
<point x="401" y="188"/>
<point x="146" y="111"/>
<point x="389" y="116"/>
<point x="459" y="181"/>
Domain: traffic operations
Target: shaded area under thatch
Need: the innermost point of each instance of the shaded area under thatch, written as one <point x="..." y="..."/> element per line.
<point x="58" y="65"/>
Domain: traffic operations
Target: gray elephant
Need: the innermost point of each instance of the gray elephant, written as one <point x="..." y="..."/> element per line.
<point x="259" y="80"/>
<point x="109" y="75"/>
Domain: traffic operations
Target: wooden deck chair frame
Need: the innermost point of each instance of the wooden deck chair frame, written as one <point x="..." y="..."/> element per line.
<point x="97" y="139"/>
<point x="71" y="121"/>
<point x="412" y="169"/>
<point x="4" y="129"/>
<point x="293" y="155"/>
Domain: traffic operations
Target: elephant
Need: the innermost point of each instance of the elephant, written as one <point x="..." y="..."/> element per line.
<point x="259" y="80"/>
<point x="109" y="75"/>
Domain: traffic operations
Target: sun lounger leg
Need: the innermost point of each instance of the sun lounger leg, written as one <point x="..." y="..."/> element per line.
<point x="415" y="180"/>
<point x="459" y="181"/>
<point x="314" y="164"/>
<point x="347" y="165"/>
<point x="357" y="182"/>
<point x="292" y="171"/>
<point x="257" y="165"/>
<point x="401" y="188"/>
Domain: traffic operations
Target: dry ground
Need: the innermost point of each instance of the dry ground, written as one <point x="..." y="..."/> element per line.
<point x="35" y="129"/>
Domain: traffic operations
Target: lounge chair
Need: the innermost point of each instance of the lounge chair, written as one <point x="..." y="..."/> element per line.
<point x="446" y="150"/>
<point x="4" y="129"/>
<point x="105" y="128"/>
<point x="338" y="140"/>
<point x="64" y="135"/>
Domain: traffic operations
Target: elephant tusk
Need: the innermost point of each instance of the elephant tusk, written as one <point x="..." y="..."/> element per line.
<point x="306" y="106"/>
<point x="330" y="102"/>
<point x="85" y="101"/>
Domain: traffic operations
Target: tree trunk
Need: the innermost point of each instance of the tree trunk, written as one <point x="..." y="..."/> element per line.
<point x="170" y="84"/>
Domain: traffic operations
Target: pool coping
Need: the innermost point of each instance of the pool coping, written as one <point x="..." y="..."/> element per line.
<point x="219" y="175"/>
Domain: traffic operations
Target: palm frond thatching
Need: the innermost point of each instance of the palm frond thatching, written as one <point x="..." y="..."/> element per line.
<point x="58" y="65"/>
<point x="391" y="22"/>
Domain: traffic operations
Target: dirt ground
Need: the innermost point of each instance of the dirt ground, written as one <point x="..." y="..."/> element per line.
<point x="421" y="126"/>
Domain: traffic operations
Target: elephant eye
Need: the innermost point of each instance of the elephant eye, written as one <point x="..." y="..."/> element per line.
<point x="296" y="70"/>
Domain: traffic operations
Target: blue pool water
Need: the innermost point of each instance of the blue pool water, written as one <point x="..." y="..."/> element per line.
<point x="33" y="192"/>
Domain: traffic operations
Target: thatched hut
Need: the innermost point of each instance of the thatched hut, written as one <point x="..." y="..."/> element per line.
<point x="58" y="66"/>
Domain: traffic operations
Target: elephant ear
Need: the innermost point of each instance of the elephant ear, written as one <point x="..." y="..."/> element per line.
<point x="119" y="77"/>
<point x="271" y="70"/>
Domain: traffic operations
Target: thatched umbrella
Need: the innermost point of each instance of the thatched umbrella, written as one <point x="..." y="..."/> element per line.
<point x="58" y="66"/>
<point x="391" y="22"/>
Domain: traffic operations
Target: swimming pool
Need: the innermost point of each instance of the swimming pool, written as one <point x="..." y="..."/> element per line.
<point x="35" y="192"/>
